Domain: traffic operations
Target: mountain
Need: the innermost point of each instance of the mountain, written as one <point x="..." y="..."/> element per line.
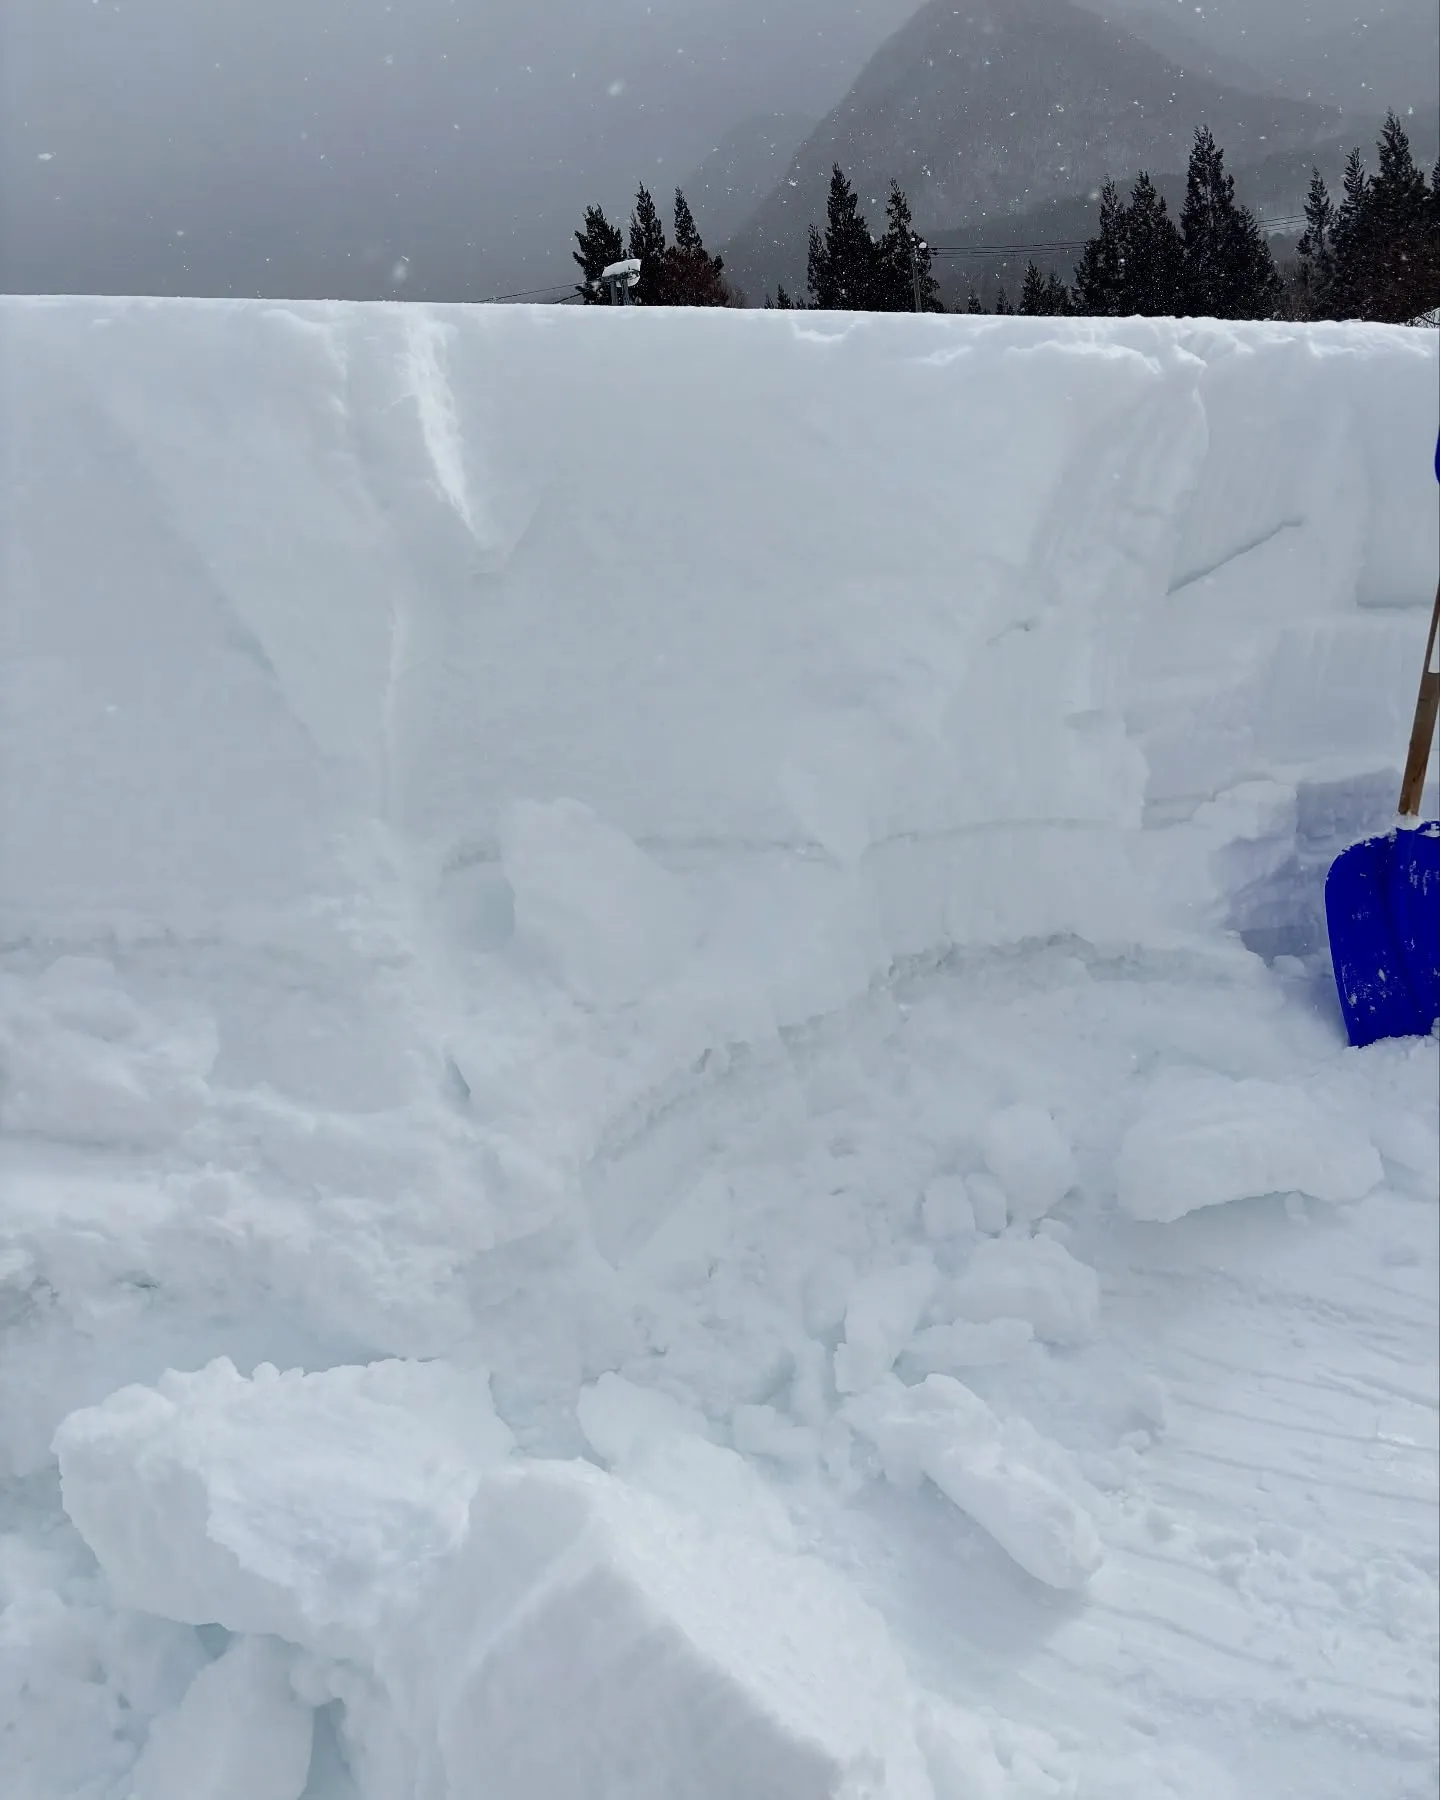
<point x="1306" y="49"/>
<point x="986" y="107"/>
<point x="728" y="185"/>
<point x="1167" y="31"/>
<point x="1365" y="65"/>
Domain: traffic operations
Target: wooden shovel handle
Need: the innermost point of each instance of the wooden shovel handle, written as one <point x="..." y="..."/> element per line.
<point x="1427" y="706"/>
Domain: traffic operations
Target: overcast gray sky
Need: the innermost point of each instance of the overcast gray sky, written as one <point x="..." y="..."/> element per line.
<point x="261" y="145"/>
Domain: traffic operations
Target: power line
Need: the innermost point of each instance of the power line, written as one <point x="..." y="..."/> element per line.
<point x="568" y="296"/>
<point x="1063" y="244"/>
<point x="555" y="287"/>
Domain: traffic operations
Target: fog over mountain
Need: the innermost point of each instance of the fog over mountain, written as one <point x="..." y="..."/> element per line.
<point x="427" y="147"/>
<point x="983" y="108"/>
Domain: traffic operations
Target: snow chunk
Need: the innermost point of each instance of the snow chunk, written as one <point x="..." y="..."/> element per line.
<point x="962" y="1345"/>
<point x="622" y="1420"/>
<point x="298" y="1505"/>
<point x="946" y="1211"/>
<point x="589" y="900"/>
<point x="592" y="1640"/>
<point x="942" y="1430"/>
<point x="1034" y="1279"/>
<point x="1025" y="1148"/>
<point x="239" y="1733"/>
<point x="880" y="1318"/>
<point x="987" y="1203"/>
<point x="1203" y="1140"/>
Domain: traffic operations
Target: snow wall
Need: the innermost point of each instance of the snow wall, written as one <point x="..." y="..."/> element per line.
<point x="438" y="742"/>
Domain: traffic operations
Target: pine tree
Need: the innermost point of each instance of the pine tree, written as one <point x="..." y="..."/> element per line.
<point x="1229" y="271"/>
<point x="900" y="256"/>
<point x="972" y="305"/>
<point x="647" y="241"/>
<point x="1402" y="253"/>
<point x="692" y="276"/>
<point x="1098" y="273"/>
<point x="1002" y="304"/>
<point x="1350" y="248"/>
<point x="1033" y="293"/>
<point x="1314" y="266"/>
<point x="1043" y="296"/>
<point x="843" y="268"/>
<point x="782" y="301"/>
<point x="600" y="245"/>
<point x="1152" y="255"/>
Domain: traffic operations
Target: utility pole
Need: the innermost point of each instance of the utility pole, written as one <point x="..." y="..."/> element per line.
<point x="917" y="244"/>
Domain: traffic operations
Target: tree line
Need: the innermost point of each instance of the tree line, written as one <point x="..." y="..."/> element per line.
<point x="1374" y="255"/>
<point x="680" y="274"/>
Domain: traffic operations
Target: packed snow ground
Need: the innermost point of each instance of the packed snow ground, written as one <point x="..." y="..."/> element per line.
<point x="673" y="1119"/>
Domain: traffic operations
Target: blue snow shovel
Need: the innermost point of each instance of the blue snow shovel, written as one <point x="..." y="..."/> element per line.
<point x="1382" y="899"/>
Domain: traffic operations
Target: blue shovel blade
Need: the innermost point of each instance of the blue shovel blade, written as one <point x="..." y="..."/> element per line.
<point x="1382" y="905"/>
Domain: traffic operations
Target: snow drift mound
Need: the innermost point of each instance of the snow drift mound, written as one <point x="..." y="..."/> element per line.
<point x="464" y="767"/>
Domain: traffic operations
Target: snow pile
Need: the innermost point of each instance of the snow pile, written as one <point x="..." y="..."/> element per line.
<point x="461" y="1608"/>
<point x="644" y="905"/>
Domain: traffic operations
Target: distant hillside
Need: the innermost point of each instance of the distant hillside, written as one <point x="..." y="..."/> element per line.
<point x="1273" y="187"/>
<point x="992" y="106"/>
<point x="1180" y="43"/>
<point x="742" y="169"/>
<point x="1366" y="65"/>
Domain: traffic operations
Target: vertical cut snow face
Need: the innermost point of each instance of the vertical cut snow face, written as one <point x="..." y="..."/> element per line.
<point x="688" y="862"/>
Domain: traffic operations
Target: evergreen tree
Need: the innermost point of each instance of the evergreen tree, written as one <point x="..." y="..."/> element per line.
<point x="1043" y="296"/>
<point x="1229" y="272"/>
<point x="1002" y="304"/>
<point x="1314" y="266"/>
<point x="1403" y="265"/>
<point x="600" y="245"/>
<point x="1349" y="243"/>
<point x="1098" y="274"/>
<point x="693" y="277"/>
<point x="843" y="268"/>
<point x="899" y="257"/>
<point x="1033" y="293"/>
<point x="972" y="305"/>
<point x="1152" y="255"/>
<point x="647" y="241"/>
<point x="782" y="301"/>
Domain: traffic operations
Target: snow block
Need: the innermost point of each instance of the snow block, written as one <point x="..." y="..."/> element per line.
<point x="944" y="1431"/>
<point x="1203" y="1140"/>
<point x="1034" y="1279"/>
<point x="881" y="1316"/>
<point x="304" y="1506"/>
<point x="593" y="1641"/>
<point x="239" y="1733"/>
<point x="1025" y="1148"/>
